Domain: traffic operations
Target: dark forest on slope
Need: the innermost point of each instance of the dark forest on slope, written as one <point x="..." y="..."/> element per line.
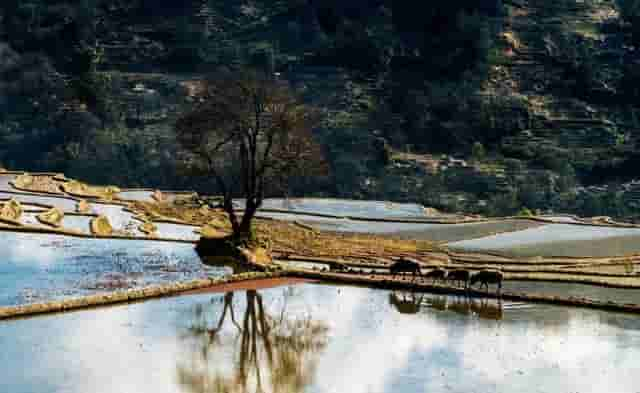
<point x="478" y="106"/>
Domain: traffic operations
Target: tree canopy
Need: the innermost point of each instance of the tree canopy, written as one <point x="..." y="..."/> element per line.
<point x="250" y="133"/>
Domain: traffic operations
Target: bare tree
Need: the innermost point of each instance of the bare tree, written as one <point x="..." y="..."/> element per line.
<point x="250" y="133"/>
<point x="270" y="352"/>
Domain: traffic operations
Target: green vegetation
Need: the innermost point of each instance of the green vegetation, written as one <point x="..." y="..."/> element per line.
<point x="539" y="100"/>
<point x="250" y="134"/>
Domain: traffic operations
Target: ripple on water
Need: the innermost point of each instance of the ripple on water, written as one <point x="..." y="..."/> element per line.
<point x="323" y="339"/>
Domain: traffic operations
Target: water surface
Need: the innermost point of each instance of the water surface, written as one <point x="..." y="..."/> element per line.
<point x="559" y="240"/>
<point x="313" y="338"/>
<point x="346" y="207"/>
<point x="62" y="203"/>
<point x="593" y="292"/>
<point x="120" y="219"/>
<point x="5" y="182"/>
<point x="141" y="196"/>
<point x="41" y="267"/>
<point x="403" y="230"/>
<point x="177" y="231"/>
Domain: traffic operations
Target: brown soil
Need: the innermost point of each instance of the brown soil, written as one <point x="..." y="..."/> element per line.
<point x="289" y="238"/>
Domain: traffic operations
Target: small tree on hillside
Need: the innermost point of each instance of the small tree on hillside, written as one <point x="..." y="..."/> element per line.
<point x="251" y="134"/>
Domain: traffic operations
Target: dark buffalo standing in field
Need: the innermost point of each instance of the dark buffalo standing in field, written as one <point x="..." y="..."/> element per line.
<point x="437" y="274"/>
<point x="459" y="276"/>
<point x="405" y="266"/>
<point x="486" y="277"/>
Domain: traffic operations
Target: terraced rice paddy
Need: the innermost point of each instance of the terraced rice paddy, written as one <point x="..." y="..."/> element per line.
<point x="558" y="240"/>
<point x="142" y="196"/>
<point x="5" y="182"/>
<point x="577" y="290"/>
<point x="77" y="223"/>
<point x="403" y="230"/>
<point x="64" y="204"/>
<point x="322" y="339"/>
<point x="177" y="231"/>
<point x="384" y="341"/>
<point x="30" y="219"/>
<point x="39" y="268"/>
<point x="346" y="207"/>
<point x="119" y="218"/>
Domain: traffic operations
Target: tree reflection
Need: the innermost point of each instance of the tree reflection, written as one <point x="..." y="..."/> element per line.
<point x="260" y="354"/>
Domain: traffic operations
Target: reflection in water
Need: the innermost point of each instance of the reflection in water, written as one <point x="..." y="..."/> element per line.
<point x="558" y="240"/>
<point x="320" y="339"/>
<point x="484" y="308"/>
<point x="406" y="303"/>
<point x="269" y="354"/>
<point x="40" y="268"/>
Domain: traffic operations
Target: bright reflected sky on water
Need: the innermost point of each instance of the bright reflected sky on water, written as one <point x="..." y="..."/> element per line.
<point x="559" y="240"/>
<point x="38" y="268"/>
<point x="367" y="346"/>
<point x="346" y="207"/>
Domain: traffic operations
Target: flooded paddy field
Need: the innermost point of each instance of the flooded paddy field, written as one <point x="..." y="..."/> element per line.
<point x="317" y="338"/>
<point x="136" y="195"/>
<point x="558" y="240"/>
<point x="177" y="231"/>
<point x="119" y="218"/>
<point x="593" y="292"/>
<point x="5" y="182"/>
<point x="403" y="230"/>
<point x="39" y="268"/>
<point x="347" y="207"/>
<point x="77" y="222"/>
<point x="62" y="203"/>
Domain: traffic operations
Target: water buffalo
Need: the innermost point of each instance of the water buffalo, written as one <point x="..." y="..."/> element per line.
<point x="405" y="266"/>
<point x="486" y="277"/>
<point x="406" y="304"/>
<point x="437" y="274"/>
<point x="459" y="276"/>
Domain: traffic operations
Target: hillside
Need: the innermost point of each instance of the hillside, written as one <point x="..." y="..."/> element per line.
<point x="484" y="107"/>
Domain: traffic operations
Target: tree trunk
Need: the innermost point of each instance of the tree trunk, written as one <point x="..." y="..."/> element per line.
<point x="244" y="229"/>
<point x="227" y="205"/>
